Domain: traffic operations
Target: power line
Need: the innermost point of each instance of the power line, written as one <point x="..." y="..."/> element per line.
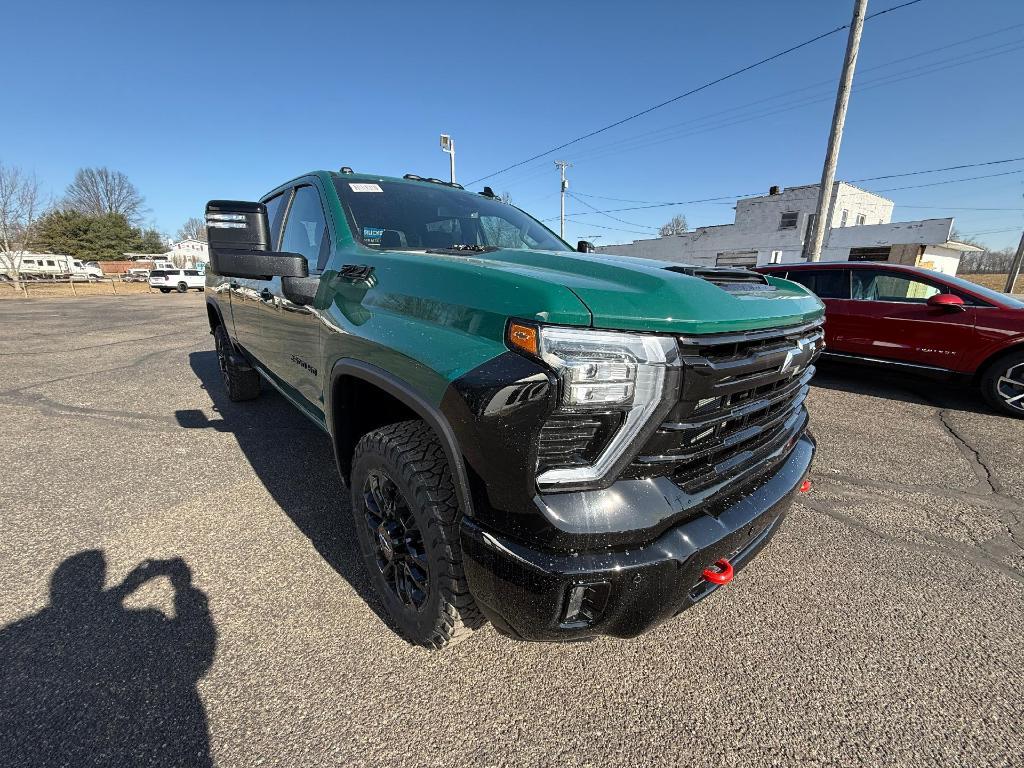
<point x="614" y="218"/>
<point x="638" y="141"/>
<point x="655" y="204"/>
<point x="693" y="91"/>
<point x="951" y="181"/>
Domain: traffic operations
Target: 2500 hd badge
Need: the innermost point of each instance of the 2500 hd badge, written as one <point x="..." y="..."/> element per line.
<point x="563" y="443"/>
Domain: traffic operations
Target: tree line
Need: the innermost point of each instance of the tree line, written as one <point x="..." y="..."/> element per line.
<point x="99" y="217"/>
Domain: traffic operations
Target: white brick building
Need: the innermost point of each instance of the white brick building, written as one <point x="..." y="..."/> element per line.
<point x="776" y="228"/>
<point x="189" y="253"/>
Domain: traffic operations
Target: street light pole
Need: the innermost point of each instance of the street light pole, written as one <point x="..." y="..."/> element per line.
<point x="562" y="165"/>
<point x="448" y="145"/>
<point x="835" y="136"/>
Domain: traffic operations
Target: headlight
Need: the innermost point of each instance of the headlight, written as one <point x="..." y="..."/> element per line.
<point x="611" y="384"/>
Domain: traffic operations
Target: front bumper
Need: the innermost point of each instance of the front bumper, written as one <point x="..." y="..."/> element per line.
<point x="527" y="593"/>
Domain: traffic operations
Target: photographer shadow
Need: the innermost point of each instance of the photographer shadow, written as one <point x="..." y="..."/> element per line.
<point x="88" y="681"/>
<point x="295" y="462"/>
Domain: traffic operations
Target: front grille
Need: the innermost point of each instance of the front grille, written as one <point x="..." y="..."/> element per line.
<point x="740" y="409"/>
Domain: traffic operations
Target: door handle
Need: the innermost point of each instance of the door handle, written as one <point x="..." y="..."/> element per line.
<point x="266" y="295"/>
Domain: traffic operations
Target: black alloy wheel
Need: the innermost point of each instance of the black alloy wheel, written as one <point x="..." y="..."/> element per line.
<point x="398" y="541"/>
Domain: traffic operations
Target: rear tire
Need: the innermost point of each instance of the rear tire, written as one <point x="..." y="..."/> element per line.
<point x="240" y="383"/>
<point x="1002" y="384"/>
<point x="182" y="287"/>
<point x="407" y="520"/>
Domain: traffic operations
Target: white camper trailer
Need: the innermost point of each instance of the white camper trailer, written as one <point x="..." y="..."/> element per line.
<point x="51" y="265"/>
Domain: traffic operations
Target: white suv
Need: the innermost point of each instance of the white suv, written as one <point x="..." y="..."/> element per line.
<point x="179" y="280"/>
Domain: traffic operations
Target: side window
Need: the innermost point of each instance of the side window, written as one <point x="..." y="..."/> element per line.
<point x="824" y="283"/>
<point x="877" y="285"/>
<point x="305" y="231"/>
<point x="192" y="272"/>
<point x="275" y="210"/>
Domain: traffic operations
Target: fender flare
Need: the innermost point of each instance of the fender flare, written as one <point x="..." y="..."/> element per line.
<point x="405" y="394"/>
<point x="216" y="309"/>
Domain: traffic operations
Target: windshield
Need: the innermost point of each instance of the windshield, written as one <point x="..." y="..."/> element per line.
<point x="426" y="216"/>
<point x="980" y="290"/>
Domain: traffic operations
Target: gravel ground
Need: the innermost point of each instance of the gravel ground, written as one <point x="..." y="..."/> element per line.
<point x="883" y="626"/>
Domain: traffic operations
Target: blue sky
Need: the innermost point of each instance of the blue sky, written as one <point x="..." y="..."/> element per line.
<point x="205" y="100"/>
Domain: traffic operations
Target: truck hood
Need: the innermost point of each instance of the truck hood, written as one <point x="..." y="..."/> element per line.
<point x="627" y="293"/>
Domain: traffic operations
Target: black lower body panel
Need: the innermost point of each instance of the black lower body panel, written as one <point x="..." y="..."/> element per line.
<point x="539" y="595"/>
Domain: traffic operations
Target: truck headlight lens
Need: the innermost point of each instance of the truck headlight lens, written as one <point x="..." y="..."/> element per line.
<point x="621" y="374"/>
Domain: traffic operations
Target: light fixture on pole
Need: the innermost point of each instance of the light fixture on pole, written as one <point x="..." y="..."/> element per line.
<point x="448" y="145"/>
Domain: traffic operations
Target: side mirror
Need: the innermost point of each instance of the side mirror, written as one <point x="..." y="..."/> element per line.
<point x="585" y="246"/>
<point x="948" y="301"/>
<point x="238" y="235"/>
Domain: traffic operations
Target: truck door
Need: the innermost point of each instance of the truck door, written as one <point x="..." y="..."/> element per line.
<point x="291" y="332"/>
<point x="247" y="295"/>
<point x="890" y="318"/>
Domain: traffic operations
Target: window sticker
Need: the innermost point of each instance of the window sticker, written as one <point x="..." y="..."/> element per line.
<point x="359" y="187"/>
<point x="372" y="235"/>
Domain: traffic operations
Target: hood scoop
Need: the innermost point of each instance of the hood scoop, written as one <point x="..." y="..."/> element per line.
<point x="730" y="279"/>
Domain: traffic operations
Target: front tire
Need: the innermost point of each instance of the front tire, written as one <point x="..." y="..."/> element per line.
<point x="407" y="520"/>
<point x="165" y="290"/>
<point x="240" y="383"/>
<point x="1002" y="384"/>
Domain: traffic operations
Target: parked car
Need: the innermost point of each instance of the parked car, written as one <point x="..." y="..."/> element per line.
<point x="136" y="275"/>
<point x="921" y="321"/>
<point x="179" y="280"/>
<point x="565" y="443"/>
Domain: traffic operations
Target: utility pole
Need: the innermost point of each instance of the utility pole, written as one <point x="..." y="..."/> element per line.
<point x="448" y="145"/>
<point x="1015" y="267"/>
<point x="562" y="165"/>
<point x="835" y="136"/>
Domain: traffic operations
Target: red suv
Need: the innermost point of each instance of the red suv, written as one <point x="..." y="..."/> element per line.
<point x="920" y="321"/>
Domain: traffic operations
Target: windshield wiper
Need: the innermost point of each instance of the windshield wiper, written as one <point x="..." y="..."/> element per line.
<point x="463" y="248"/>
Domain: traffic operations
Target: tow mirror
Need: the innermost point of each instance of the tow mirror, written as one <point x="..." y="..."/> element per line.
<point x="948" y="301"/>
<point x="238" y="235"/>
<point x="585" y="246"/>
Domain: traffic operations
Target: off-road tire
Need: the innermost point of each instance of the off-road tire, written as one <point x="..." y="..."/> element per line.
<point x="165" y="290"/>
<point x="990" y="384"/>
<point x="409" y="454"/>
<point x="182" y="287"/>
<point x="240" y="383"/>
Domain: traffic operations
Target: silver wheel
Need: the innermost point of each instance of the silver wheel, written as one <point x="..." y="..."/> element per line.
<point x="1010" y="386"/>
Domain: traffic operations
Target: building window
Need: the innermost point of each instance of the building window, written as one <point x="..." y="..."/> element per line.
<point x="49" y="263"/>
<point x="842" y="217"/>
<point x="861" y="219"/>
<point x="775" y="258"/>
<point x="788" y="220"/>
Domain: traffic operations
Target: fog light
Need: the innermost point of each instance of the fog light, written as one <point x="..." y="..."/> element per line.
<point x="586" y="603"/>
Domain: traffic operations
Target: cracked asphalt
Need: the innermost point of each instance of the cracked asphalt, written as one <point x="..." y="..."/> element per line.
<point x="883" y="626"/>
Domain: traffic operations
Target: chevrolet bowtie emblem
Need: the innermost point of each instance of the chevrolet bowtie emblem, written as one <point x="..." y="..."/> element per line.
<point x="792" y="355"/>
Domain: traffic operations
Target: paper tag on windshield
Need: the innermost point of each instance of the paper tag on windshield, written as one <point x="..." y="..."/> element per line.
<point x="364" y="187"/>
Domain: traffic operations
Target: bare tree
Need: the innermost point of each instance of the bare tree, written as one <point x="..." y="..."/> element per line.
<point x="20" y="207"/>
<point x="194" y="228"/>
<point x="506" y="197"/>
<point x="675" y="226"/>
<point x="99" y="191"/>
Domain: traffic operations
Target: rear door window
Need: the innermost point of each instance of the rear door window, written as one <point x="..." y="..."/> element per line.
<point x="275" y="212"/>
<point x="823" y="283"/>
<point x="305" y="230"/>
<point x="881" y="285"/>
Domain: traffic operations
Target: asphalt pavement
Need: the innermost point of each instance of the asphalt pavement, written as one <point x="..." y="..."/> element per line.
<point x="179" y="585"/>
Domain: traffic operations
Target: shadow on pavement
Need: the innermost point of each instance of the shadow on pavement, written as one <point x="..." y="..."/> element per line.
<point x="895" y="385"/>
<point x="295" y="462"/>
<point x="87" y="681"/>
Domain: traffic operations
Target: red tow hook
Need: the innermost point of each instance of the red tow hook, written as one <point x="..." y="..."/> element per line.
<point x="721" y="576"/>
<point x="805" y="486"/>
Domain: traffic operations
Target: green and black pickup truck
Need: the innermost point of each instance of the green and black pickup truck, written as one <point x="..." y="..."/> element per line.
<point x="564" y="443"/>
